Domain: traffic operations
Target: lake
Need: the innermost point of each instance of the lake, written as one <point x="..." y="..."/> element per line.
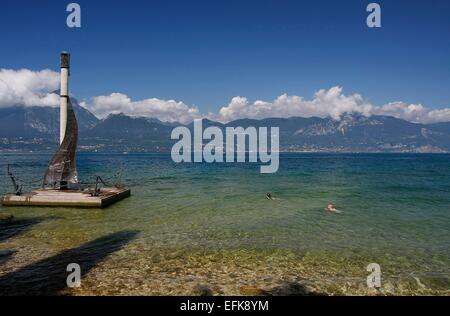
<point x="209" y="228"/>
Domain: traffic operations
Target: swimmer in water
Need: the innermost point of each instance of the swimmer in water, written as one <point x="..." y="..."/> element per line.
<point x="331" y="208"/>
<point x="269" y="196"/>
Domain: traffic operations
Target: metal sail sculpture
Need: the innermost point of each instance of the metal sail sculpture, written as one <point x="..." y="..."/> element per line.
<point x="62" y="169"/>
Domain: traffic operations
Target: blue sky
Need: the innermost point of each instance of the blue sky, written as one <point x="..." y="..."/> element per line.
<point x="204" y="53"/>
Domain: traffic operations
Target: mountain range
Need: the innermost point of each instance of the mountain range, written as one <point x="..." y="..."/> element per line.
<point x="37" y="129"/>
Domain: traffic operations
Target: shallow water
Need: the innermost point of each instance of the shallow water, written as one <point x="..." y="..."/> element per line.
<point x="210" y="226"/>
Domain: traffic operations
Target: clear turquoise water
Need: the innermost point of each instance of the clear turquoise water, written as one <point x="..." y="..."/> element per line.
<point x="395" y="209"/>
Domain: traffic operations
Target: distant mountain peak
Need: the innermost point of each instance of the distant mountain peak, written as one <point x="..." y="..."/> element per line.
<point x="354" y="132"/>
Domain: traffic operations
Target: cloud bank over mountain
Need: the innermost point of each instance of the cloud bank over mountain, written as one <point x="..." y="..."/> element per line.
<point x="325" y="103"/>
<point x="164" y="110"/>
<point x="331" y="102"/>
<point x="28" y="88"/>
<point x="33" y="88"/>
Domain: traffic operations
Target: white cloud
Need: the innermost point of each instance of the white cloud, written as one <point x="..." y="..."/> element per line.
<point x="440" y="115"/>
<point x="414" y="112"/>
<point x="326" y="103"/>
<point x="164" y="110"/>
<point x="29" y="88"/>
<point x="34" y="88"/>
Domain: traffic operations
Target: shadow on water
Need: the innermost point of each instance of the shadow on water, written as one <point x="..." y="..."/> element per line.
<point x="48" y="276"/>
<point x="6" y="255"/>
<point x="293" y="289"/>
<point x="11" y="227"/>
<point x="285" y="288"/>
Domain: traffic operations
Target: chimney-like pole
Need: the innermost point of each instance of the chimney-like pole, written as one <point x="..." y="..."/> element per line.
<point x="64" y="94"/>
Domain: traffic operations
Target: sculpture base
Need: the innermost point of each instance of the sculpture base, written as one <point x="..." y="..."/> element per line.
<point x="67" y="198"/>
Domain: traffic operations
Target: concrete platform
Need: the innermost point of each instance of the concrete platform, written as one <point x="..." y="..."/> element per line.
<point x="69" y="198"/>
